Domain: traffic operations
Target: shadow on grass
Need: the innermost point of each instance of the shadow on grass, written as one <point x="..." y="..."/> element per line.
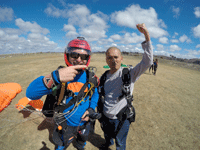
<point x="148" y="73"/>
<point x="49" y="125"/>
<point x="96" y="140"/>
<point x="44" y="146"/>
<point x="93" y="138"/>
<point x="27" y="111"/>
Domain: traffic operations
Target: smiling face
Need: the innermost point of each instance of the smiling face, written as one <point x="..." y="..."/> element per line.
<point x="114" y="59"/>
<point x="76" y="58"/>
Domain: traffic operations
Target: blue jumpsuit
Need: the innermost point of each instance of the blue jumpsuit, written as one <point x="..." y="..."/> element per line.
<point x="37" y="89"/>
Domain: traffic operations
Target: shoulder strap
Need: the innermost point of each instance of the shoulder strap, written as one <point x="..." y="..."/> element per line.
<point x="103" y="78"/>
<point x="102" y="82"/>
<point x="92" y="78"/>
<point x="61" y="95"/>
<point x="62" y="90"/>
<point x="75" y="99"/>
<point x="126" y="79"/>
<point x="101" y="92"/>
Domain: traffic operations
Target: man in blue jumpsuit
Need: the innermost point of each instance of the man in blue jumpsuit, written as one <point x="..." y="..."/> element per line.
<point x="77" y="58"/>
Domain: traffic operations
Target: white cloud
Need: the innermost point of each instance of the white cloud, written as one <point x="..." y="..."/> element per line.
<point x="163" y="40"/>
<point x="72" y="34"/>
<point x="184" y="38"/>
<point x="162" y="53"/>
<point x="2" y="33"/>
<point x="198" y="46"/>
<point x="78" y="14"/>
<point x="174" y="48"/>
<point x="130" y="48"/>
<point x="175" y="34"/>
<point x="114" y="44"/>
<point x="179" y="55"/>
<point x="132" y="38"/>
<point x="193" y="52"/>
<point x="12" y="31"/>
<point x="69" y="27"/>
<point x="106" y="43"/>
<point x="37" y="38"/>
<point x="197" y="12"/>
<point x="92" y="34"/>
<point x="134" y="14"/>
<point x="55" y="12"/>
<point x="157" y="32"/>
<point x="63" y="3"/>
<point x="6" y="14"/>
<point x="176" y="11"/>
<point x="15" y="41"/>
<point x="34" y="43"/>
<point x="174" y="41"/>
<point x="196" y="31"/>
<point x="91" y="26"/>
<point x="110" y="40"/>
<point x="139" y="45"/>
<point x="160" y="47"/>
<point x="98" y="48"/>
<point x="9" y="38"/>
<point x="115" y="37"/>
<point x="95" y="27"/>
<point x="71" y="30"/>
<point x="32" y="27"/>
<point x="5" y="37"/>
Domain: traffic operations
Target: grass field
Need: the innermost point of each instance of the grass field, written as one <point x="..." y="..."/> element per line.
<point x="167" y="106"/>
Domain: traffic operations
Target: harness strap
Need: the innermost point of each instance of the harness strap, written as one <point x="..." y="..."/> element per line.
<point x="54" y="101"/>
<point x="126" y="78"/>
<point x="101" y="93"/>
<point x="102" y="82"/>
<point x="62" y="92"/>
<point x="124" y="112"/>
<point x="80" y="95"/>
<point x="122" y="116"/>
<point x="74" y="100"/>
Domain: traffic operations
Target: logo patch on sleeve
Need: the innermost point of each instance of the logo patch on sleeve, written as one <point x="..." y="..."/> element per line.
<point x="48" y="81"/>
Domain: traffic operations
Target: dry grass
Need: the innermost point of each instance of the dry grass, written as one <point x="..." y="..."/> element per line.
<point x="167" y="107"/>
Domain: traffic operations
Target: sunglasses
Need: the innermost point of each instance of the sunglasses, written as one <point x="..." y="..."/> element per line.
<point x="77" y="55"/>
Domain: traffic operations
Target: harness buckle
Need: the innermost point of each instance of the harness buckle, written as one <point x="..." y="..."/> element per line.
<point x="126" y="89"/>
<point x="129" y="97"/>
<point x="131" y="113"/>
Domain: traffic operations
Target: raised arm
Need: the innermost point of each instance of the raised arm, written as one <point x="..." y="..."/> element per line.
<point x="147" y="58"/>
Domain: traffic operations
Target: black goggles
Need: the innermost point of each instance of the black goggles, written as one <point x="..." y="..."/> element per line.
<point x="77" y="55"/>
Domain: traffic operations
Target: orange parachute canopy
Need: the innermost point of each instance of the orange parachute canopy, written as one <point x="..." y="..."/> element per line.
<point x="8" y="91"/>
<point x="37" y="104"/>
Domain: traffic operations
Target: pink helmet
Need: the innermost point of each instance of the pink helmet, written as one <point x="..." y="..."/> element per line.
<point x="78" y="43"/>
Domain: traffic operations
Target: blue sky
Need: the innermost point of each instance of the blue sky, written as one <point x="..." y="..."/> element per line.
<point x="48" y="25"/>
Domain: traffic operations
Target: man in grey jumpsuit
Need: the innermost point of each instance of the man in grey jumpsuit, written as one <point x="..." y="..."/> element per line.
<point x="113" y="89"/>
